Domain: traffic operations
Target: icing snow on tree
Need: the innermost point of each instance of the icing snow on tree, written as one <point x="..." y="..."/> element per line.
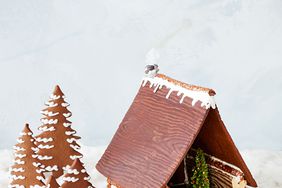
<point x="76" y="176"/>
<point x="57" y="143"/>
<point x="25" y="172"/>
<point x="52" y="183"/>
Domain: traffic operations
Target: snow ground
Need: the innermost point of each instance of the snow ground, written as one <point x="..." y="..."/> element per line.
<point x="264" y="165"/>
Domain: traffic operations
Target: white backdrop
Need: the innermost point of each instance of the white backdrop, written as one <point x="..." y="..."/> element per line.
<point x="95" y="49"/>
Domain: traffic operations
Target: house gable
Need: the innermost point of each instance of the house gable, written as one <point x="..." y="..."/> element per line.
<point x="159" y="129"/>
<point x="215" y="140"/>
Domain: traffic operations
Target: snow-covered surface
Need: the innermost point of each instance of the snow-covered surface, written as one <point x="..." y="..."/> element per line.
<point x="91" y="156"/>
<point x="264" y="165"/>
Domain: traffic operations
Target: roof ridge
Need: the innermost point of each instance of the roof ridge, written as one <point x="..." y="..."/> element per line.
<point x="211" y="92"/>
<point x="196" y="93"/>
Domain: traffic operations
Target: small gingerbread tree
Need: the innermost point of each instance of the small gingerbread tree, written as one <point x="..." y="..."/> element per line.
<point x="200" y="178"/>
<point x="25" y="171"/>
<point x="52" y="183"/>
<point x="76" y="176"/>
<point x="57" y="143"/>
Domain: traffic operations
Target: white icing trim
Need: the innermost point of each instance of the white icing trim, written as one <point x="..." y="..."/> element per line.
<point x="40" y="178"/>
<point x="54" y="97"/>
<point x="16" y="170"/>
<point x="35" y="149"/>
<point x="65" y="104"/>
<point x="34" y="156"/>
<point x="15" y="177"/>
<point x="18" y="161"/>
<point x="67" y="124"/>
<point x="71" y="140"/>
<point x="45" y="140"/>
<point x="23" y="133"/>
<point x="157" y="82"/>
<point x="70" y="133"/>
<point x="45" y="128"/>
<point x="72" y="171"/>
<point x="67" y="114"/>
<point x="49" y="121"/>
<point x="20" y="141"/>
<point x="45" y="157"/>
<point x="70" y="179"/>
<point x="20" y="155"/>
<point x="48" y="113"/>
<point x="51" y="104"/>
<point x="87" y="178"/>
<point x="66" y="167"/>
<point x="73" y="157"/>
<point x="36" y="164"/>
<point x="41" y="146"/>
<point x="75" y="147"/>
<point x="52" y="168"/>
<point x="18" y="148"/>
<point x="39" y="171"/>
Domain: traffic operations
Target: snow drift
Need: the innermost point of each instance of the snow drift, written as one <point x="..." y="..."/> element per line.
<point x="264" y="165"/>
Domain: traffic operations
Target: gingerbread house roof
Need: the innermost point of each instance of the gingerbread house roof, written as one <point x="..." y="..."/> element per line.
<point x="165" y="119"/>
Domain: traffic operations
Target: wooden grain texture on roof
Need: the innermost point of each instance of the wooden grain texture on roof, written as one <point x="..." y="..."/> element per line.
<point x="152" y="140"/>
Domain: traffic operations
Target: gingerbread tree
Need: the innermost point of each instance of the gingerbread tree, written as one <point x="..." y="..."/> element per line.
<point x="52" y="183"/>
<point x="76" y="176"/>
<point x="57" y="142"/>
<point x="25" y="171"/>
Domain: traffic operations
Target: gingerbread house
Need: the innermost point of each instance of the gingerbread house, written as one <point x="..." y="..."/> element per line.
<point x="155" y="143"/>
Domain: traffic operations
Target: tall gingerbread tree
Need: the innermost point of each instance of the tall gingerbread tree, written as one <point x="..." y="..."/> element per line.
<point x="25" y="171"/>
<point x="57" y="143"/>
<point x="76" y="176"/>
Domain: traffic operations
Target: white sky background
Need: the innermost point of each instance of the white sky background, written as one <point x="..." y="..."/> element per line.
<point x="95" y="50"/>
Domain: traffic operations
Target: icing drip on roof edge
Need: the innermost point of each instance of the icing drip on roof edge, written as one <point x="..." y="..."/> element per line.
<point x="196" y="93"/>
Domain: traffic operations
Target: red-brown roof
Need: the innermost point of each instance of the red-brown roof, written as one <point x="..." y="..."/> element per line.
<point x="155" y="135"/>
